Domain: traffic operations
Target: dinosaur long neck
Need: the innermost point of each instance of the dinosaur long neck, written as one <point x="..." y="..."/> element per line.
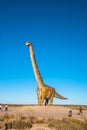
<point x="35" y="67"/>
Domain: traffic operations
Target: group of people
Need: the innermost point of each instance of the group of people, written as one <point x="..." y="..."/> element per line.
<point x="80" y="112"/>
<point x="6" y="107"/>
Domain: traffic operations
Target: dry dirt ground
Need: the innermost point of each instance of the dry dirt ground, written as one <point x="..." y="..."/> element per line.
<point x="44" y="112"/>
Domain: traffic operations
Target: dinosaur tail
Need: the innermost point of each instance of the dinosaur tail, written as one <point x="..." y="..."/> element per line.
<point x="57" y="95"/>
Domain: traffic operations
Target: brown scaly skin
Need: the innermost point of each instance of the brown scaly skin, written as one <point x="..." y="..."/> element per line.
<point x="46" y="93"/>
<point x="39" y="96"/>
<point x="43" y="91"/>
<point x="49" y="93"/>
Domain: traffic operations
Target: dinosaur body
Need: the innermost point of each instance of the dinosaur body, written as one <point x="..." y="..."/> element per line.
<point x="43" y="91"/>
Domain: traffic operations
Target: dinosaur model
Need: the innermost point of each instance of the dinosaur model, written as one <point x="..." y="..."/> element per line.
<point x="43" y="91"/>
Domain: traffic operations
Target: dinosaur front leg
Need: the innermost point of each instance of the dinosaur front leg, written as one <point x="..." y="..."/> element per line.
<point x="39" y="95"/>
<point x="42" y="100"/>
<point x="39" y="101"/>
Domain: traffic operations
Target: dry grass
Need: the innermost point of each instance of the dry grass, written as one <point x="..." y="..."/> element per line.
<point x="67" y="124"/>
<point x="56" y="117"/>
<point x="76" y="107"/>
<point x="10" y="121"/>
<point x="20" y="122"/>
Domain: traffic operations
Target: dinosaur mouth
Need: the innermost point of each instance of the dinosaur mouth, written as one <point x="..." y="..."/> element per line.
<point x="28" y="43"/>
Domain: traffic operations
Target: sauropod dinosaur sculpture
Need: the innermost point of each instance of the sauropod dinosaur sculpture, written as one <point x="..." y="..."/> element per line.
<point x="43" y="91"/>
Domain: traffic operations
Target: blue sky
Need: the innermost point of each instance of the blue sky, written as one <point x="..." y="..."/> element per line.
<point x="58" y="31"/>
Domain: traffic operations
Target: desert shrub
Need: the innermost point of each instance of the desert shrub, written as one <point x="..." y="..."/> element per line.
<point x="8" y="126"/>
<point x="18" y="125"/>
<point x="21" y="125"/>
<point x="40" y="121"/>
<point x="6" y="115"/>
<point x="67" y="124"/>
<point x="19" y="122"/>
<point x="1" y="119"/>
<point x="32" y="119"/>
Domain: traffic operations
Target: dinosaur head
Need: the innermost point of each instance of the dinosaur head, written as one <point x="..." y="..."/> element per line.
<point x="28" y="43"/>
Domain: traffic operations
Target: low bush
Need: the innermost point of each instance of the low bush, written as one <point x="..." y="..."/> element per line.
<point x="67" y="124"/>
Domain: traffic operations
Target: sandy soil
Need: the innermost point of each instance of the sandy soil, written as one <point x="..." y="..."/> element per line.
<point x="57" y="112"/>
<point x="45" y="111"/>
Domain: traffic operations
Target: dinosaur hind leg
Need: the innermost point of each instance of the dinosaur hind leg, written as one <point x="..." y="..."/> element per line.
<point x="51" y="100"/>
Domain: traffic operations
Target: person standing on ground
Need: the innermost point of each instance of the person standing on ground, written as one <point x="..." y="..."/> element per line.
<point x="0" y="107"/>
<point x="80" y="111"/>
<point x="70" y="113"/>
<point x="6" y="107"/>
